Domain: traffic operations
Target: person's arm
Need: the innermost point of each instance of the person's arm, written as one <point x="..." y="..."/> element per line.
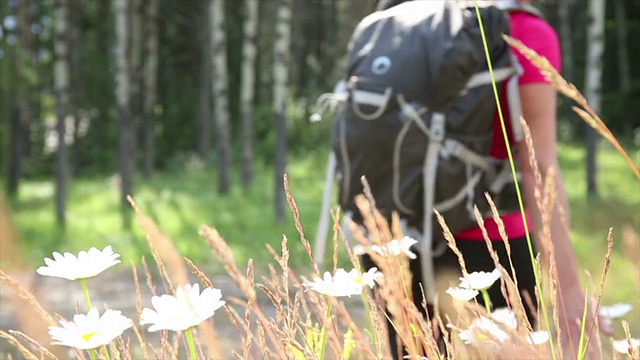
<point x="539" y="101"/>
<point x="539" y="111"/>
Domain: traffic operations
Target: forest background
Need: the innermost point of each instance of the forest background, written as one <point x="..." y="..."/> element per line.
<point x="198" y="107"/>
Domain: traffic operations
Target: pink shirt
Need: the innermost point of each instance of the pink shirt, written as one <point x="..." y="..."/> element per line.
<point x="538" y="35"/>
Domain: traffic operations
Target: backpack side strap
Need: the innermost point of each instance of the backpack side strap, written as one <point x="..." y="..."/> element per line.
<point x="436" y="139"/>
<point x="452" y="147"/>
<point x="359" y="97"/>
<point x="330" y="101"/>
<point x="484" y="77"/>
<point x="323" y="224"/>
<point x="513" y="100"/>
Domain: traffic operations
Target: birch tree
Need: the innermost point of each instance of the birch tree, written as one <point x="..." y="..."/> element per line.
<point x="220" y="92"/>
<point x="62" y="80"/>
<point x="247" y="90"/>
<point x="281" y="55"/>
<point x="150" y="85"/>
<point x="126" y="129"/>
<point x="594" y="65"/>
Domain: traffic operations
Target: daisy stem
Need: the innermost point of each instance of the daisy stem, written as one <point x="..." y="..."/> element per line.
<point x="192" y="346"/>
<point x="581" y="350"/>
<point x="369" y="314"/>
<point x="487" y="301"/>
<point x="85" y="290"/>
<point x="515" y="177"/>
<point x="106" y="352"/>
<point x="323" y="341"/>
<point x="92" y="354"/>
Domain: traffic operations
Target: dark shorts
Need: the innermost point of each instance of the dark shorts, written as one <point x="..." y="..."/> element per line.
<point x="477" y="258"/>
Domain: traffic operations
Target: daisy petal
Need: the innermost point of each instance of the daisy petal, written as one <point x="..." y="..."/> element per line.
<point x="187" y="309"/>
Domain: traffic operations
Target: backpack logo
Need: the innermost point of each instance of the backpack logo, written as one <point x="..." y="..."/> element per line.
<point x="381" y="65"/>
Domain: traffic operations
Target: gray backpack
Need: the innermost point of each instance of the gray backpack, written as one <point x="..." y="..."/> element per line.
<point x="414" y="116"/>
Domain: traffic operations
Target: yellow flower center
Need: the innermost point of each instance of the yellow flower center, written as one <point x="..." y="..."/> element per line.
<point x="359" y="280"/>
<point x="88" y="336"/>
<point x="483" y="337"/>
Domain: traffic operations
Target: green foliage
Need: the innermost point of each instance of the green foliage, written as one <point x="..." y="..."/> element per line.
<point x="590" y="219"/>
<point x="177" y="122"/>
<point x="621" y="109"/>
<point x="183" y="196"/>
<point x="182" y="199"/>
<point x="304" y="137"/>
<point x="320" y="33"/>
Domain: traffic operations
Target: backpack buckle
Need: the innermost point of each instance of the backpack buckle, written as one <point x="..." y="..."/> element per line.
<point x="437" y="128"/>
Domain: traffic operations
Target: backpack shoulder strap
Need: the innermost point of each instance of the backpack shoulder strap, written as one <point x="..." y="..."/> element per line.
<point x="515" y="5"/>
<point x="513" y="93"/>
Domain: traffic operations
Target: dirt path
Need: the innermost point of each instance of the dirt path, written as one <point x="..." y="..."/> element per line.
<point x="112" y="289"/>
<point x="116" y="290"/>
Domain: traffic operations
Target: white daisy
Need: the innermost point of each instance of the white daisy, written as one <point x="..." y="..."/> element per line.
<point x="538" y="337"/>
<point x="90" y="331"/>
<point x="86" y="265"/>
<point x="395" y="247"/>
<point x="623" y="346"/>
<point x="369" y="278"/>
<point x="188" y="308"/>
<point x="615" y="311"/>
<point x="343" y="283"/>
<point x="505" y="316"/>
<point x="480" y="280"/>
<point x="462" y="294"/>
<point x="392" y="248"/>
<point x="359" y="250"/>
<point x="483" y="330"/>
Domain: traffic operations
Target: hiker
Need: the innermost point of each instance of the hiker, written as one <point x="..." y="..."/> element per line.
<point x="369" y="106"/>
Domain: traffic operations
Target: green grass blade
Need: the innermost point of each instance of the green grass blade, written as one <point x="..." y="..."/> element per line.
<point x="583" y="329"/>
<point x="515" y="176"/>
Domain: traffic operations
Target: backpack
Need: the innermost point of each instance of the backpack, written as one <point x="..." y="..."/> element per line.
<point x="414" y="116"/>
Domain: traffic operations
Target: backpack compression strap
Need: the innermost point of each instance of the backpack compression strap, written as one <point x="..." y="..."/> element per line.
<point x="448" y="147"/>
<point x="439" y="146"/>
<point x="515" y="5"/>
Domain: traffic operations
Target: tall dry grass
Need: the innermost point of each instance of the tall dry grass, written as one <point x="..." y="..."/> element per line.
<point x="300" y="316"/>
<point x="584" y="110"/>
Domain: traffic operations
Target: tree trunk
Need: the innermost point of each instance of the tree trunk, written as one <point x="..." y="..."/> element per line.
<point x="126" y="128"/>
<point x="22" y="118"/>
<point x="77" y="85"/>
<point x="567" y="51"/>
<point x="135" y="48"/>
<point x="280" y="77"/>
<point x="151" y="86"/>
<point x="25" y="65"/>
<point x="623" y="56"/>
<point x="16" y="150"/>
<point x="595" y="51"/>
<point x="102" y="126"/>
<point x="206" y="103"/>
<point x="220" y="93"/>
<point x="62" y="80"/>
<point x="247" y="94"/>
